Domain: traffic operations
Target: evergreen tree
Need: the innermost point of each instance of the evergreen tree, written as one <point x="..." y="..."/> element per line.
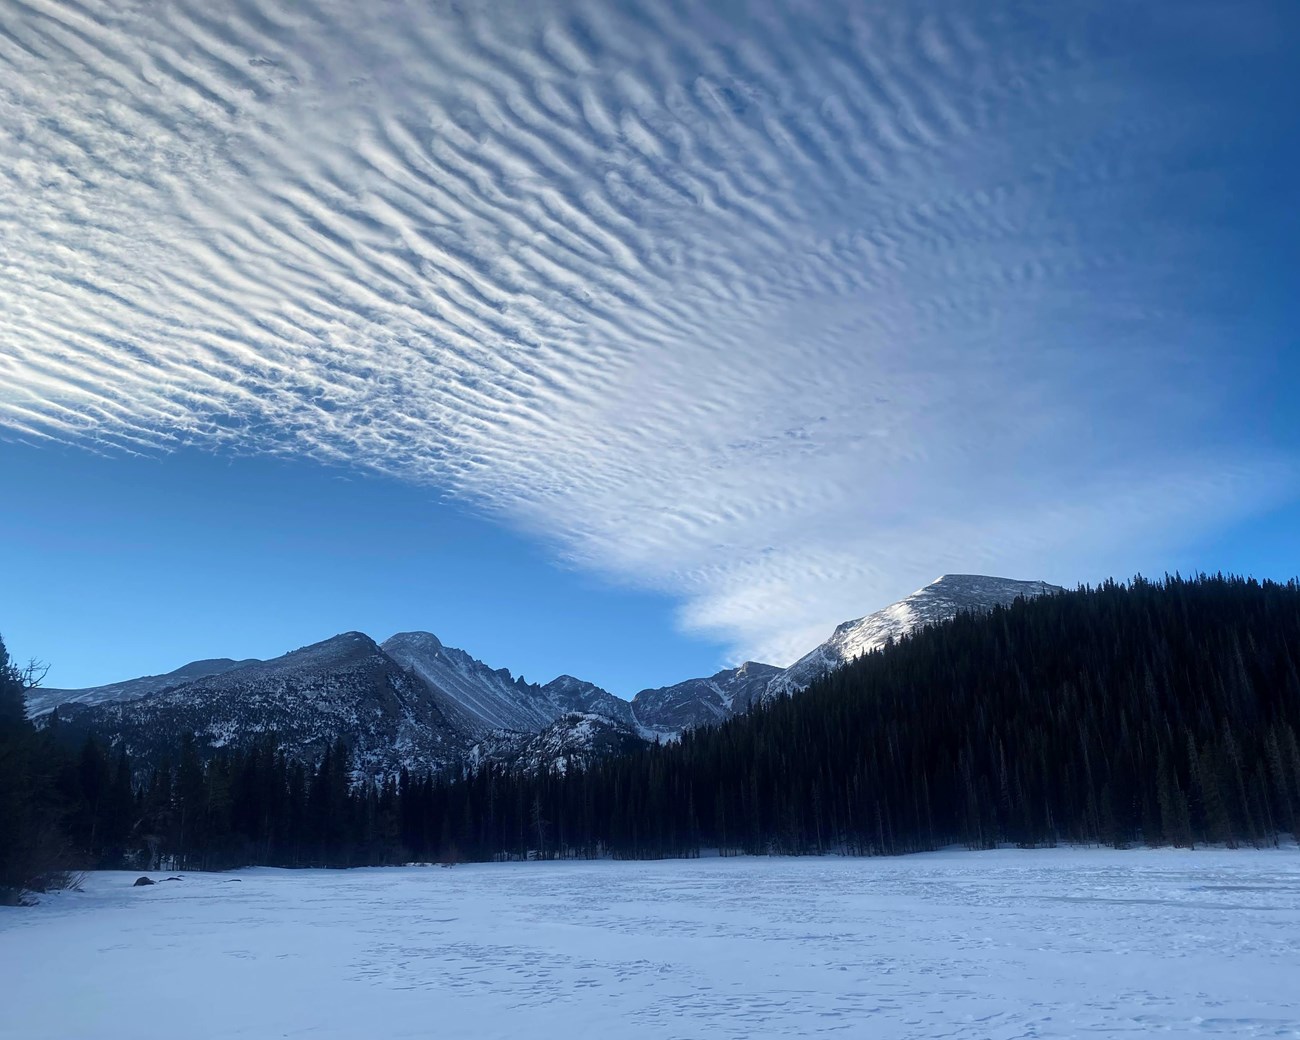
<point x="32" y="843"/>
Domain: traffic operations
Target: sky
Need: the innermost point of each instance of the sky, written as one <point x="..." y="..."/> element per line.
<point x="629" y="340"/>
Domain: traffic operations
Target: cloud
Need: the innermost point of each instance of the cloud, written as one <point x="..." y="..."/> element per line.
<point x="776" y="309"/>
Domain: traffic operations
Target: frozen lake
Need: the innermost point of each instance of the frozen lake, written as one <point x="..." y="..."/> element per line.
<point x="1051" y="943"/>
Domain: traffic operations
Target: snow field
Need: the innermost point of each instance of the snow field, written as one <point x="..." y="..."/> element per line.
<point x="1048" y="943"/>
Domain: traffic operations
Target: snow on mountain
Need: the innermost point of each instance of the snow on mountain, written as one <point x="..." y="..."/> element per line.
<point x="568" y="695"/>
<point x="476" y="699"/>
<point x="668" y="710"/>
<point x="345" y="687"/>
<point x="479" y="700"/>
<point x="40" y="701"/>
<point x="942" y="599"/>
<point x="575" y="739"/>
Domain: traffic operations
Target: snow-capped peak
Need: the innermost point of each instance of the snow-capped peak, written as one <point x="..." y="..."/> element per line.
<point x="944" y="598"/>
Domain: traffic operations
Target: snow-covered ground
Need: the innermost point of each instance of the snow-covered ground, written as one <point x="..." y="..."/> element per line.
<point x="1052" y="943"/>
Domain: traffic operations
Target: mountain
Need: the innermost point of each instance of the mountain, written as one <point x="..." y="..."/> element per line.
<point x="941" y="600"/>
<point x="344" y="687"/>
<point x="40" y="701"/>
<point x="411" y="703"/>
<point x="415" y="703"/>
<point x="479" y="700"/>
<point x="577" y="695"/>
<point x="668" y="710"/>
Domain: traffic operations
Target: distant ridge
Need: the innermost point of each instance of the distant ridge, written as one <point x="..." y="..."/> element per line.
<point x="41" y="700"/>
<point x="414" y="703"/>
<point x="668" y="710"/>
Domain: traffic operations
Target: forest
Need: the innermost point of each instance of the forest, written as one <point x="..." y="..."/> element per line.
<point x="1161" y="713"/>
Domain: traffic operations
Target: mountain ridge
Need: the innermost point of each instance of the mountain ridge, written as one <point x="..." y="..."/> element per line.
<point x="341" y="687"/>
<point x="41" y="700"/>
<point x="413" y="702"/>
<point x="667" y="711"/>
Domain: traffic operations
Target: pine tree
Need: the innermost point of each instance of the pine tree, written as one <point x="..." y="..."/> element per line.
<point x="33" y="848"/>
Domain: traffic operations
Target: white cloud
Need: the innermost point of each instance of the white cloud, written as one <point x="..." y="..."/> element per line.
<point x="773" y="316"/>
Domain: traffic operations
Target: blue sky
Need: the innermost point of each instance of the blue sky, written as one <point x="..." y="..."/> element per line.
<point x="629" y="340"/>
<point x="128" y="566"/>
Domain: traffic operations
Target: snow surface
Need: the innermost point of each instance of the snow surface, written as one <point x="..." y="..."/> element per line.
<point x="1049" y="943"/>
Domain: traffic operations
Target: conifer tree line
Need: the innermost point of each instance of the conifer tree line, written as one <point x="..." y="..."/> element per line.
<point x="1148" y="712"/>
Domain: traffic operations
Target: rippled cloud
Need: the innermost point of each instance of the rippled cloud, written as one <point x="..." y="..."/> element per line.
<point x="780" y="308"/>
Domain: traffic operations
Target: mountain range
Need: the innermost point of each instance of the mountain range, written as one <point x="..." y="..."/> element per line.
<point x="412" y="702"/>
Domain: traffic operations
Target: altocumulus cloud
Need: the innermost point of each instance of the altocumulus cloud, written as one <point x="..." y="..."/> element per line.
<point x="782" y="308"/>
